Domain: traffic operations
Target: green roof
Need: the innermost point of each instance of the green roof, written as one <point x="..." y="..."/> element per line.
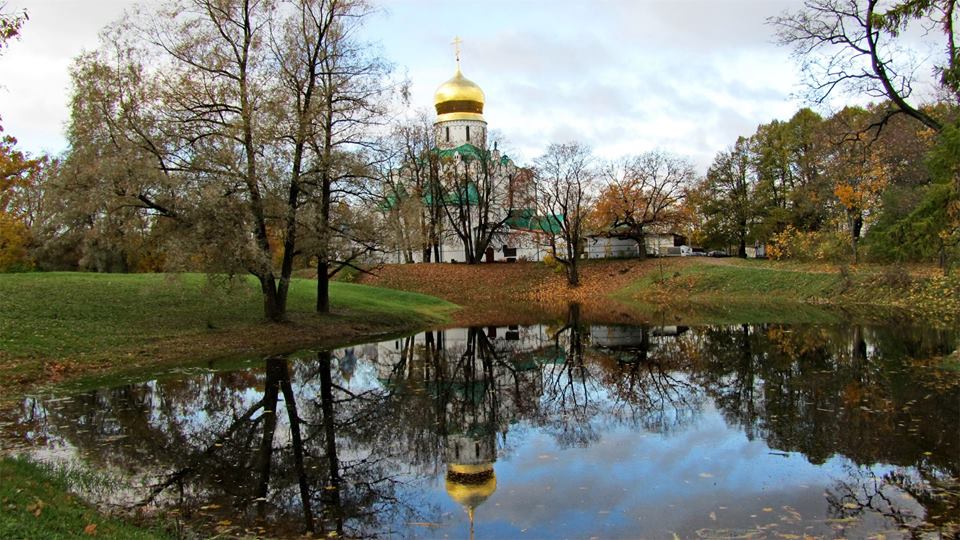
<point x="466" y="151"/>
<point x="549" y="355"/>
<point x="469" y="152"/>
<point x="392" y="199"/>
<point x="526" y="218"/>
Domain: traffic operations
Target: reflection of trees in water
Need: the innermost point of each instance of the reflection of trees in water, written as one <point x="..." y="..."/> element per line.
<point x="270" y="447"/>
<point x="647" y="380"/>
<point x="570" y="402"/>
<point x="919" y="503"/>
<point x="849" y="390"/>
<point x="294" y="446"/>
<point x="640" y="385"/>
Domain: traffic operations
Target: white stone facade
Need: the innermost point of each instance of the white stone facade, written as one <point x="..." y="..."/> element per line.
<point x="454" y="133"/>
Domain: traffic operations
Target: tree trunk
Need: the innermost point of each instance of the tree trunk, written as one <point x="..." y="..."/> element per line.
<point x="942" y="256"/>
<point x="573" y="276"/>
<point x="856" y="225"/>
<point x="323" y="286"/>
<point x="271" y="393"/>
<point x="742" y="248"/>
<point x="641" y="245"/>
<point x="274" y="306"/>
<point x="290" y="400"/>
<point x="326" y="181"/>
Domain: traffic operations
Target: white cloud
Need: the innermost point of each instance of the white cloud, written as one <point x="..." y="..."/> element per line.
<point x="624" y="76"/>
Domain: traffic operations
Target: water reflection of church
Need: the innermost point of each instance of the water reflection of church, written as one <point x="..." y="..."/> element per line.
<point x="483" y="379"/>
<point x="480" y="380"/>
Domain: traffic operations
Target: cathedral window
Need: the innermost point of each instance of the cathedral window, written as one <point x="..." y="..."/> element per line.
<point x="448" y="133"/>
<point x="468" y="133"/>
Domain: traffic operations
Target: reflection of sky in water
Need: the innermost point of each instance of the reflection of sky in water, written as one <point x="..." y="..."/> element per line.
<point x="677" y="466"/>
<point x="631" y="484"/>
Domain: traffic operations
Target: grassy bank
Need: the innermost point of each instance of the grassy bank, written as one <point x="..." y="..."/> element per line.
<point x="688" y="290"/>
<point x="729" y="281"/>
<point x="35" y="503"/>
<point x="920" y="292"/>
<point x="59" y="325"/>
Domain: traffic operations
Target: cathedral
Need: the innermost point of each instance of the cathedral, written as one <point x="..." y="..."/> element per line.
<point x="488" y="201"/>
<point x="482" y="206"/>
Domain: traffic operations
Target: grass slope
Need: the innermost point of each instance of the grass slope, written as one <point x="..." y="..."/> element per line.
<point x="871" y="291"/>
<point x="55" y="322"/>
<point x="737" y="281"/>
<point x="35" y="503"/>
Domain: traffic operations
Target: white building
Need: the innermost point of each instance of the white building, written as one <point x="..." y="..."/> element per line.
<point x="506" y="193"/>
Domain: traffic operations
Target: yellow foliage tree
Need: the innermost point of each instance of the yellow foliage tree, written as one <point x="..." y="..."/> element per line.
<point x="859" y="173"/>
<point x="642" y="192"/>
<point x="17" y="171"/>
<point x="859" y="192"/>
<point x="14" y="239"/>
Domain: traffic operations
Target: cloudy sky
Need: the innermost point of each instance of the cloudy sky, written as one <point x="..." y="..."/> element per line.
<point x="626" y="76"/>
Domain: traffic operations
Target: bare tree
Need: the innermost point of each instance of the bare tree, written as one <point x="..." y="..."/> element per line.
<point x="227" y="118"/>
<point x="414" y="188"/>
<point x="850" y="45"/>
<point x="565" y="181"/>
<point x="476" y="195"/>
<point x="352" y="87"/>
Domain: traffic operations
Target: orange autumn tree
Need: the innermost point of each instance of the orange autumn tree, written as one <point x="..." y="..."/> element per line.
<point x="641" y="193"/>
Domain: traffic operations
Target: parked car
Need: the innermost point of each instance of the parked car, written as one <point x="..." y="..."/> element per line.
<point x="718" y="253"/>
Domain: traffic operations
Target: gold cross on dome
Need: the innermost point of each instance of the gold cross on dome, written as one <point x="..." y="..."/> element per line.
<point x="456" y="48"/>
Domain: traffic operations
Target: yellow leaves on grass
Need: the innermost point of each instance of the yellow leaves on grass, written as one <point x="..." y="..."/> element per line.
<point x="36" y="508"/>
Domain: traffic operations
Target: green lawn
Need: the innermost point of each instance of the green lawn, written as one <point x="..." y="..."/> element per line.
<point x="59" y="314"/>
<point x="740" y="281"/>
<point x="100" y="318"/>
<point x="35" y="503"/>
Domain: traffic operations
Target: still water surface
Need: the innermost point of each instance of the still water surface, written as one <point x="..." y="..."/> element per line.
<point x="562" y="430"/>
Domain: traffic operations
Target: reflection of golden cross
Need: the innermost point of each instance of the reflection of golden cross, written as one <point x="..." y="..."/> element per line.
<point x="456" y="47"/>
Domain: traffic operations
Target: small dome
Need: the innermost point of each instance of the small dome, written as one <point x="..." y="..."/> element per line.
<point x="459" y="99"/>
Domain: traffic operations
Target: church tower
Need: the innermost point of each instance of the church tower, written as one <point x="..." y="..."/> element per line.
<point x="459" y="104"/>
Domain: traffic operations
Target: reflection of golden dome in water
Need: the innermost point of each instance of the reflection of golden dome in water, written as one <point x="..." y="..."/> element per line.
<point x="459" y="99"/>
<point x="470" y="485"/>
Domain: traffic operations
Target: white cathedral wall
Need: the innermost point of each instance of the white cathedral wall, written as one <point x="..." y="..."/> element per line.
<point x="658" y="244"/>
<point x="454" y="133"/>
<point x="602" y="248"/>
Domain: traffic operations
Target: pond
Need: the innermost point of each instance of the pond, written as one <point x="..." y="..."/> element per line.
<point x="557" y="430"/>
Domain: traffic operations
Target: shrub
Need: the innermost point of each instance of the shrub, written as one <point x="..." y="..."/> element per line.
<point x="551" y="262"/>
<point x="896" y="276"/>
<point x="792" y="243"/>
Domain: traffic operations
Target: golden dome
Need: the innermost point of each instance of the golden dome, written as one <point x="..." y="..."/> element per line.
<point x="459" y="99"/>
<point x="470" y="485"/>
